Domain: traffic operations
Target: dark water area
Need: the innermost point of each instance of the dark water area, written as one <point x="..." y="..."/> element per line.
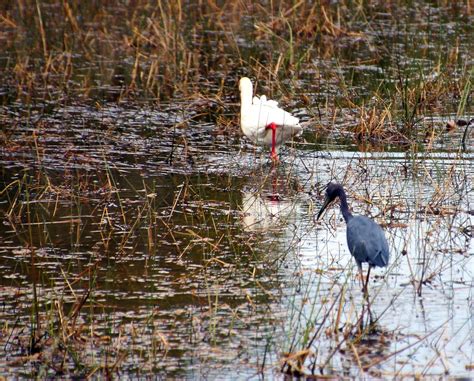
<point x="142" y="235"/>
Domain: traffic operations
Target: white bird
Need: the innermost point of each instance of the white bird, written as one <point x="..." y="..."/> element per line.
<point x="263" y="122"/>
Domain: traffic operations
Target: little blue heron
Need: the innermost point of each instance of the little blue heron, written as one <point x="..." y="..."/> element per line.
<point x="365" y="238"/>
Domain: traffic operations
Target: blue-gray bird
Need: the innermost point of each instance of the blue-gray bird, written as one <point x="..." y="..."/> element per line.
<point x="365" y="238"/>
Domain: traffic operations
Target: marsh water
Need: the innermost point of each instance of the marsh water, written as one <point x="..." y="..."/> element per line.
<point x="147" y="236"/>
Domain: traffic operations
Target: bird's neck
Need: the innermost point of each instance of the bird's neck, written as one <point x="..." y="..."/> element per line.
<point x="346" y="213"/>
<point x="245" y="99"/>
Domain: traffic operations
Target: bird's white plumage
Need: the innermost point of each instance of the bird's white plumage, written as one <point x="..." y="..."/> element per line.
<point x="257" y="113"/>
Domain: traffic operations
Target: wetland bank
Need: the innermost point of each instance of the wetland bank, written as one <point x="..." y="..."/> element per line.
<point x="143" y="236"/>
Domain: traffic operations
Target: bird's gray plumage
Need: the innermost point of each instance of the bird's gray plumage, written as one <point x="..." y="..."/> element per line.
<point x="367" y="242"/>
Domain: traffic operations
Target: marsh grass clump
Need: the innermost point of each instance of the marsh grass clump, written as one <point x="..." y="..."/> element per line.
<point x="187" y="51"/>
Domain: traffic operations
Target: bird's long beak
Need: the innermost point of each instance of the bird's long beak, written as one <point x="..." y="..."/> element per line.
<point x="327" y="201"/>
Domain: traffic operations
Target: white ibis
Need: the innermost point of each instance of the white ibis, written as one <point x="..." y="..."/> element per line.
<point x="263" y="122"/>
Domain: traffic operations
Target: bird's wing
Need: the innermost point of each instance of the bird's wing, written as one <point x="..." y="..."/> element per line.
<point x="263" y="101"/>
<point x="272" y="103"/>
<point x="255" y="119"/>
<point x="367" y="242"/>
<point x="269" y="102"/>
<point x="269" y="114"/>
<point x="383" y="254"/>
<point x="263" y="115"/>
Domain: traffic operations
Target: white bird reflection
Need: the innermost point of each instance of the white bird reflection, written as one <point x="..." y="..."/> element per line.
<point x="264" y="212"/>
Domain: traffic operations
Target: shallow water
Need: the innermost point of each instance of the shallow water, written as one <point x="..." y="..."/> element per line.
<point x="203" y="259"/>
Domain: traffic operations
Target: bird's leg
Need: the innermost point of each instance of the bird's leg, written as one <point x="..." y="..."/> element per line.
<point x="365" y="289"/>
<point x="372" y="321"/>
<point x="361" y="275"/>
<point x="273" y="127"/>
